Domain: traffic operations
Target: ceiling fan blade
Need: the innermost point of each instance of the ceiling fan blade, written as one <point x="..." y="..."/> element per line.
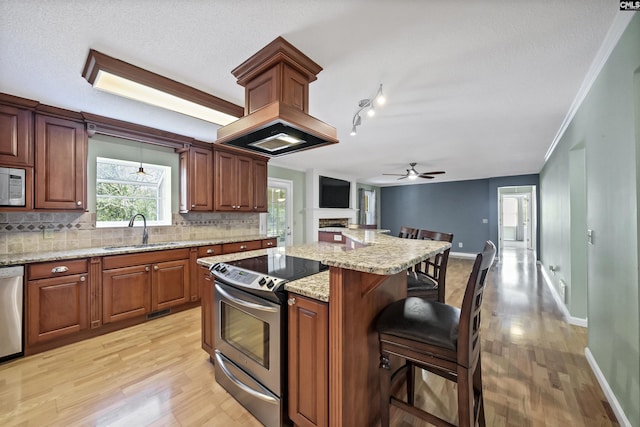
<point x="395" y="174"/>
<point x="427" y="176"/>
<point x="404" y="177"/>
<point x="432" y="173"/>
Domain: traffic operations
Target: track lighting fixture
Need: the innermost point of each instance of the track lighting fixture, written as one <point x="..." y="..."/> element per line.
<point x="368" y="105"/>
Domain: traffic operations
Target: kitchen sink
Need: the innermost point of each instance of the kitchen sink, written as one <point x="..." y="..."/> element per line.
<point x="141" y="246"/>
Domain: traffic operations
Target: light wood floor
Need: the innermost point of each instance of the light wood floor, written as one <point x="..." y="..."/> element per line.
<point x="155" y="374"/>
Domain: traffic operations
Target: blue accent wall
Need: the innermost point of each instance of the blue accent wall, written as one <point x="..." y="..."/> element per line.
<point x="456" y="207"/>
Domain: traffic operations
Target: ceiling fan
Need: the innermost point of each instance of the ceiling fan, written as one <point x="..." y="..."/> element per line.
<point x="413" y="173"/>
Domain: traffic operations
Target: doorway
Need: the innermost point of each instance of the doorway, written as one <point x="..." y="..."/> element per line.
<point x="517" y="222"/>
<point x="279" y="217"/>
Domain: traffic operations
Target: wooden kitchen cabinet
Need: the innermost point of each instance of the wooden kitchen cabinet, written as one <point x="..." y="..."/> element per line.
<point x="16" y="136"/>
<point x="125" y="293"/>
<point x="270" y="243"/>
<point x="260" y="176"/>
<point x="205" y="282"/>
<point x="142" y="283"/>
<point x="251" y="245"/>
<point x="60" y="163"/>
<point x="308" y="361"/>
<point x="169" y="284"/>
<point x="240" y="183"/>
<point x="196" y="180"/>
<point x="57" y="301"/>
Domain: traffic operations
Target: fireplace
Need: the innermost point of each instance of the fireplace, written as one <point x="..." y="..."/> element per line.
<point x="333" y="222"/>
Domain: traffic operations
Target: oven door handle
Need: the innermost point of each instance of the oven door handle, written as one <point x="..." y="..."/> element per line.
<point x="241" y="385"/>
<point x="247" y="304"/>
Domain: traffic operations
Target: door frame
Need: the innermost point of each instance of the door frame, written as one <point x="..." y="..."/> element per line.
<point x="287" y="185"/>
<point x="529" y="191"/>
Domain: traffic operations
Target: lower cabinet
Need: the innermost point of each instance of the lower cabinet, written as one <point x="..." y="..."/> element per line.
<point x="137" y="284"/>
<point x="125" y="293"/>
<point x="57" y="301"/>
<point x="308" y="361"/>
<point x="205" y="282"/>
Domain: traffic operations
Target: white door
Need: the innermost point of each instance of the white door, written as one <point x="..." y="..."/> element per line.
<point x="279" y="216"/>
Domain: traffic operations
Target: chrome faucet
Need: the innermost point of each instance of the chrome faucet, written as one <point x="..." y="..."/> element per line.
<point x="145" y="235"/>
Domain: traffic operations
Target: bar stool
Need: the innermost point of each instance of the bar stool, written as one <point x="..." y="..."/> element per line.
<point x="408" y="232"/>
<point x="438" y="338"/>
<point x="427" y="279"/>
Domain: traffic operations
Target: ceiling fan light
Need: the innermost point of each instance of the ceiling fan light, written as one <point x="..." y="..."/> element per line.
<point x="412" y="176"/>
<point x="371" y="112"/>
<point x="353" y="131"/>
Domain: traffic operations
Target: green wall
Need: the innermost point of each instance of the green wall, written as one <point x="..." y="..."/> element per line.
<point x="607" y="127"/>
<point x="298" y="179"/>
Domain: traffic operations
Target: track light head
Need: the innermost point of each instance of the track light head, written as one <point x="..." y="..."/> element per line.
<point x="367" y="104"/>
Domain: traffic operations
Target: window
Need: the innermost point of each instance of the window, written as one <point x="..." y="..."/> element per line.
<point x="121" y="192"/>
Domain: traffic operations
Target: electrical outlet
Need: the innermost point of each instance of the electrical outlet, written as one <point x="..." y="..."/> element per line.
<point x="47" y="234"/>
<point x="460" y="244"/>
<point x="485" y="221"/>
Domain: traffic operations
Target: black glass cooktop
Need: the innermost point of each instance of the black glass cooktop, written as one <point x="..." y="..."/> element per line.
<point x="281" y="266"/>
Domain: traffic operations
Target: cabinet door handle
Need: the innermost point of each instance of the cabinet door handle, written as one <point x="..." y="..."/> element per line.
<point x="269" y="243"/>
<point x="79" y="203"/>
<point x="291" y="301"/>
<point x="60" y="269"/>
<point x="210" y="251"/>
<point x="146" y="268"/>
<point x="243" y="247"/>
<point x="155" y="268"/>
<point x="193" y="206"/>
<point x="82" y="279"/>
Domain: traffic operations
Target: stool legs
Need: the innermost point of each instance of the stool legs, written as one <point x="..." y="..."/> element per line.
<point x="411" y="378"/>
<point x="385" y="389"/>
<point x="470" y="397"/>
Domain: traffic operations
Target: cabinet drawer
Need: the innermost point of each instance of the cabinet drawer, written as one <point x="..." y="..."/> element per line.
<point x="140" y="258"/>
<point x="211" y="250"/>
<point x="269" y="243"/>
<point x="228" y="248"/>
<point x="56" y="269"/>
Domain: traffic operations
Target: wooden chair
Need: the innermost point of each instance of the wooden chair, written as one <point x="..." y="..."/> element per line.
<point x="408" y="232"/>
<point x="427" y="279"/>
<point x="438" y="338"/>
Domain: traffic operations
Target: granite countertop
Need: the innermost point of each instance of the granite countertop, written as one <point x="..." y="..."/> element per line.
<point x="31" y="257"/>
<point x="382" y="254"/>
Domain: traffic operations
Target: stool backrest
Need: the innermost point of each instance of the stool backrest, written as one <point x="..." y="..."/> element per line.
<point x="408" y="232"/>
<point x="469" y="327"/>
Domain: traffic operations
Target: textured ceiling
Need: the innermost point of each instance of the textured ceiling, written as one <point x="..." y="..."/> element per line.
<point x="475" y="88"/>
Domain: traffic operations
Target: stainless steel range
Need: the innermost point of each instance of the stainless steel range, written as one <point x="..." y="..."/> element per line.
<point x="251" y="330"/>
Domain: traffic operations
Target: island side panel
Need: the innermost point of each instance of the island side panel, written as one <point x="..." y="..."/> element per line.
<point x="356" y="298"/>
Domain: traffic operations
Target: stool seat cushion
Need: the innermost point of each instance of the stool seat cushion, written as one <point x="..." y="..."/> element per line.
<point x="420" y="281"/>
<point x="421" y="320"/>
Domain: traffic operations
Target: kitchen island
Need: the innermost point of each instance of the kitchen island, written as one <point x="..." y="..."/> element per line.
<point x="366" y="274"/>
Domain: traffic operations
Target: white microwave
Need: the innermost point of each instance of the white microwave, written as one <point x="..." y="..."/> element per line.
<point x="12" y="187"/>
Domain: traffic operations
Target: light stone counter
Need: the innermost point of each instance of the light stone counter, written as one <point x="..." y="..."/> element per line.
<point x="381" y="254"/>
<point x="31" y="257"/>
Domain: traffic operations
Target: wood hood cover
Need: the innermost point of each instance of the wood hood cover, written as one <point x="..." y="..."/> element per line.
<point x="276" y="121"/>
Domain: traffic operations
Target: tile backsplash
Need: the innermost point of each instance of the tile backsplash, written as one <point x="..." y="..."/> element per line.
<point x="25" y="232"/>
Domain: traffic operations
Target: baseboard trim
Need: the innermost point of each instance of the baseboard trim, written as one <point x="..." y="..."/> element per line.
<point x="608" y="393"/>
<point x="462" y="255"/>
<point x="572" y="320"/>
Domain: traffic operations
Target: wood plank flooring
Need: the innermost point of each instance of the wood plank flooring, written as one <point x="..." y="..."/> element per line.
<point x="155" y="374"/>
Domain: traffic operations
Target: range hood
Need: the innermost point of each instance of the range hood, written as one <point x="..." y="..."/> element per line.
<point x="276" y="121"/>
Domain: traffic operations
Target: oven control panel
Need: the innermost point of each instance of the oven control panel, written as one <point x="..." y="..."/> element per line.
<point x="245" y="278"/>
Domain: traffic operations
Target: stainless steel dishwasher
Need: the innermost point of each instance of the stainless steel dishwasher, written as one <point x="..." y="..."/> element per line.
<point x="11" y="309"/>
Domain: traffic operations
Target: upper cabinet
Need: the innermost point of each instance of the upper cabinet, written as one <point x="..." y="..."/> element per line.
<point x="16" y="136"/>
<point x="260" y="174"/>
<point x="60" y="163"/>
<point x="196" y="180"/>
<point x="240" y="183"/>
